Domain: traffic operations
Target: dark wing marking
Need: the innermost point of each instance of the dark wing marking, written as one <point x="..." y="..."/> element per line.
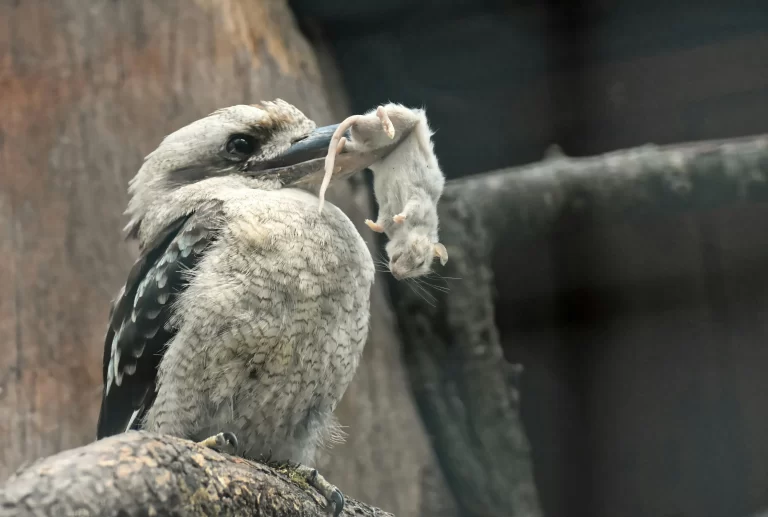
<point x="139" y="325"/>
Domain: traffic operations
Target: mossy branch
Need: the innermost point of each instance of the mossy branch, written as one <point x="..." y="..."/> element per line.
<point x="145" y="474"/>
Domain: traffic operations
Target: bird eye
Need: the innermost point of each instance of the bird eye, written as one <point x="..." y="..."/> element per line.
<point x="241" y="145"/>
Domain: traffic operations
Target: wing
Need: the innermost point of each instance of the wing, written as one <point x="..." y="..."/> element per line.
<point x="139" y="322"/>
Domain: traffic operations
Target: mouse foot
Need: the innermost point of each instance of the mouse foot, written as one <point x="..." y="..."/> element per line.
<point x="399" y="218"/>
<point x="386" y="124"/>
<point x="374" y="226"/>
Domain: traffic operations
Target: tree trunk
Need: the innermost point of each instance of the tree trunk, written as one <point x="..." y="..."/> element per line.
<point x="89" y="88"/>
<point x="462" y="383"/>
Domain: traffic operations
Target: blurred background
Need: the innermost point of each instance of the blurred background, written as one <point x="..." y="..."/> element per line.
<point x="643" y="336"/>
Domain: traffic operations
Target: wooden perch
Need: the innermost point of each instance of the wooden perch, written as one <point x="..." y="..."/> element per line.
<point x="143" y="474"/>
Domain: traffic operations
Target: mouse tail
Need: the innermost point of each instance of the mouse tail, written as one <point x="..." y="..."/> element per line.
<point x="334" y="148"/>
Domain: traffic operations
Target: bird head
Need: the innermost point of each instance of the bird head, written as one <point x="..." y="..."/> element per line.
<point x="268" y="145"/>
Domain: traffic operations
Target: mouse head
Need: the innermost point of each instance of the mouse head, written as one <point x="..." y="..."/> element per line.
<point x="411" y="254"/>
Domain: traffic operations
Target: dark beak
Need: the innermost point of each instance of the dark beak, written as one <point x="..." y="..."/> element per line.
<point x="314" y="145"/>
<point x="304" y="161"/>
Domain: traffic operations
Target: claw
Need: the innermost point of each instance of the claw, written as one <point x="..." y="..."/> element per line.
<point x="230" y="439"/>
<point x="223" y="442"/>
<point x="337" y="499"/>
<point x="399" y="218"/>
<point x="331" y="494"/>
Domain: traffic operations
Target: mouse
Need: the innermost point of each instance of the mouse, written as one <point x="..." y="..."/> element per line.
<point x="407" y="184"/>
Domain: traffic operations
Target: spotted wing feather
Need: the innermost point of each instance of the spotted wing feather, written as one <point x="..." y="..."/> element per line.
<point x="139" y="327"/>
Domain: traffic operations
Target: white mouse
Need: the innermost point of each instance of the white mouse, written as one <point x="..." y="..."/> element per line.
<point x="407" y="183"/>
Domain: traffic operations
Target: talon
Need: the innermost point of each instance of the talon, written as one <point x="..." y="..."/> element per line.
<point x="330" y="492"/>
<point x="222" y="442"/>
<point x="374" y="226"/>
<point x="231" y="439"/>
<point x="399" y="218"/>
<point x="337" y="500"/>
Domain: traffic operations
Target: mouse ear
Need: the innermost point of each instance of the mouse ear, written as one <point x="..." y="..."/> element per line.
<point x="442" y="253"/>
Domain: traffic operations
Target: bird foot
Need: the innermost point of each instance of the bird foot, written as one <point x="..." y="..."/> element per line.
<point x="374" y="226"/>
<point x="222" y="442"/>
<point x="331" y="494"/>
<point x="399" y="218"/>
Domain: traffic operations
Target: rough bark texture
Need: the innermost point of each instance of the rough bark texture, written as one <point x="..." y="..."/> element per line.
<point x="464" y="387"/>
<point x="89" y="88"/>
<point x="139" y="474"/>
<point x="526" y="201"/>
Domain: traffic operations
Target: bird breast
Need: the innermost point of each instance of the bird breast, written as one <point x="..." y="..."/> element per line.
<point x="279" y="311"/>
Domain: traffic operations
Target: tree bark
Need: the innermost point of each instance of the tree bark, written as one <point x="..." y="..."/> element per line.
<point x="527" y="201"/>
<point x="139" y="474"/>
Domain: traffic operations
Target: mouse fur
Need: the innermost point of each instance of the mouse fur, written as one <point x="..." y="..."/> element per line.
<point x="407" y="183"/>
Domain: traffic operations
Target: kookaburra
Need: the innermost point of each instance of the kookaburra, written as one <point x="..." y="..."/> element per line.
<point x="247" y="310"/>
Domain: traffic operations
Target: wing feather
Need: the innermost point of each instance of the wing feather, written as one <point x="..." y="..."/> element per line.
<point x="139" y="326"/>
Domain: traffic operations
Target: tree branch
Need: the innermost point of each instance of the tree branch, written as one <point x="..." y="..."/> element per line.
<point x="522" y="202"/>
<point x="139" y="473"/>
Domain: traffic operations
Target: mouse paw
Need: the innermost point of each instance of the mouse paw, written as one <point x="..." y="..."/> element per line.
<point x="399" y="218"/>
<point x="374" y="226"/>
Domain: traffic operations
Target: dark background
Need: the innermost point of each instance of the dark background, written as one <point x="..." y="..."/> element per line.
<point x="645" y="342"/>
